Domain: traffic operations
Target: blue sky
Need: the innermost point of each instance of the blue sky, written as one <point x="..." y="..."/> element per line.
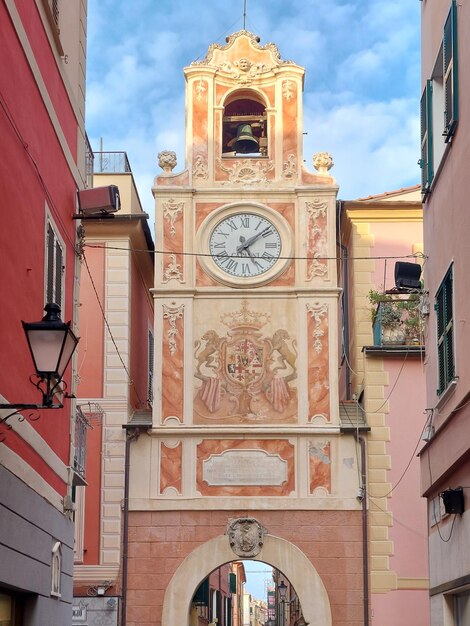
<point x="362" y="81"/>
<point x="257" y="574"/>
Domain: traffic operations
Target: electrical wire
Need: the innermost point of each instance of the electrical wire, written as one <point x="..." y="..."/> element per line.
<point x="234" y="256"/>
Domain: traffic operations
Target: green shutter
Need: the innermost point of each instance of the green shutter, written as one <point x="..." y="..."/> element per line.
<point x="233" y="583"/>
<point x="451" y="112"/>
<point x="445" y="333"/>
<point x="426" y="162"/>
<point x="201" y="597"/>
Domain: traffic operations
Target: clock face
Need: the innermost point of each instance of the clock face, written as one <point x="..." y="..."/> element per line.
<point x="244" y="245"/>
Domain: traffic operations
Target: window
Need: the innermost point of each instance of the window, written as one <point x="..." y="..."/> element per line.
<point x="56" y="566"/>
<point x="150" y="368"/>
<point x="449" y="44"/>
<point x="55" y="266"/>
<point x="462" y="609"/>
<point x="426" y="162"/>
<point x="445" y="332"/>
<point x="439" y="103"/>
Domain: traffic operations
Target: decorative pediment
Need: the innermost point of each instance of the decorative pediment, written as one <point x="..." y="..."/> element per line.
<point x="243" y="55"/>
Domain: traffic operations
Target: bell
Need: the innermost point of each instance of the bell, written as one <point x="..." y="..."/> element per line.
<point x="245" y="143"/>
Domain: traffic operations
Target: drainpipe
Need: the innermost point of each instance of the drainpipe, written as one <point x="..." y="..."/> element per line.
<point x="344" y="252"/>
<point x="365" y="542"/>
<point x="131" y="435"/>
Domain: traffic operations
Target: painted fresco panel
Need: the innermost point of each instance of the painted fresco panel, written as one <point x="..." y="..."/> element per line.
<point x="318" y="361"/>
<point x="171" y="463"/>
<point x="319" y="467"/>
<point x="172" y="361"/>
<point x="245" y="363"/>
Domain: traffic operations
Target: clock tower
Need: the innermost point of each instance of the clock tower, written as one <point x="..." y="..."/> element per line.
<point x="246" y="437"/>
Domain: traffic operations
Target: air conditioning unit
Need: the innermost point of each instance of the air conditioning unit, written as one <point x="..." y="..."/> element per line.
<point x="99" y="201"/>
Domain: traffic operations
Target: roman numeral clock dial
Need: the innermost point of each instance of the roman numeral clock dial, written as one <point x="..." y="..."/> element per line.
<point x="245" y="245"/>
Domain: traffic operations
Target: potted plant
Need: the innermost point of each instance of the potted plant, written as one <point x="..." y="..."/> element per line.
<point x="386" y="318"/>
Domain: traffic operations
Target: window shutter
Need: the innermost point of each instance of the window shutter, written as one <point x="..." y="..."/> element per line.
<point x="233" y="582"/>
<point x="201" y="597"/>
<point x="426" y="162"/>
<point x="59" y="263"/>
<point x="445" y="333"/>
<point x="450" y="73"/>
<point x="50" y="283"/>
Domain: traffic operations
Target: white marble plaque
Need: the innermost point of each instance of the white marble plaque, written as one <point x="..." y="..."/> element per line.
<point x="244" y="468"/>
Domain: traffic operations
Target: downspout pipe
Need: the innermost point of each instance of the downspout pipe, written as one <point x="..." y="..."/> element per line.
<point x="365" y="536"/>
<point x="344" y="252"/>
<point x="131" y="435"/>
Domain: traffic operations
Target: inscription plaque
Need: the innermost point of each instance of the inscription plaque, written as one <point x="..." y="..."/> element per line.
<point x="245" y="468"/>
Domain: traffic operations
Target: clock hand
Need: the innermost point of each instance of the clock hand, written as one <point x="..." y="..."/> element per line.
<point x="245" y="243"/>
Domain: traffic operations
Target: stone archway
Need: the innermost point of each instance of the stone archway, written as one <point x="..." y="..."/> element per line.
<point x="277" y="552"/>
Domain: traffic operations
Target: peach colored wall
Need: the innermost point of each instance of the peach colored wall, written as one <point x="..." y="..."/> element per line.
<point x="141" y="321"/>
<point x="392" y="240"/>
<point x="92" y="522"/>
<point x="159" y="542"/>
<point x="90" y="350"/>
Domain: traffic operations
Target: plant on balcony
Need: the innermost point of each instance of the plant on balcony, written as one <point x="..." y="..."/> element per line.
<point x="400" y="319"/>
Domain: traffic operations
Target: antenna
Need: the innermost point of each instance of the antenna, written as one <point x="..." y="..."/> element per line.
<point x="244" y="14"/>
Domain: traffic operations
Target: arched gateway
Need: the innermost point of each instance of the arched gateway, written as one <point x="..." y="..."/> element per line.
<point x="245" y="413"/>
<point x="277" y="552"/>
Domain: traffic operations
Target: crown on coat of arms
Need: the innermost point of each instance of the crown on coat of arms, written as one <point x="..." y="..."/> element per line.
<point x="245" y="318"/>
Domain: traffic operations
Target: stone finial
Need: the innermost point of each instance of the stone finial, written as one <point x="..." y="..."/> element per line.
<point x="167" y="160"/>
<point x="323" y="162"/>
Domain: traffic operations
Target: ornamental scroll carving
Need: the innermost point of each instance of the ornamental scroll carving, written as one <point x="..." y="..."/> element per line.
<point x="247" y="172"/>
<point x="288" y="89"/>
<point x="318" y="312"/>
<point x="246" y="536"/>
<point x="200" y="168"/>
<point x="172" y="270"/>
<point x="171" y="210"/>
<point x="172" y="314"/>
<point x="200" y="89"/>
<point x="289" y="168"/>
<point x="317" y="216"/>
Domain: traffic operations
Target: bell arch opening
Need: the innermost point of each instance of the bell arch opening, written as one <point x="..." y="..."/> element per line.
<point x="278" y="553"/>
<point x="244" y="125"/>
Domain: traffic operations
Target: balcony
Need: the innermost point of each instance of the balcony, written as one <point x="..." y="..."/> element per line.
<point x="397" y="321"/>
<point x="111" y="163"/>
<point x="79" y="458"/>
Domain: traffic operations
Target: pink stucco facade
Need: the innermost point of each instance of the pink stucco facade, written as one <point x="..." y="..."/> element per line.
<point x="444" y="460"/>
<point x="388" y="379"/>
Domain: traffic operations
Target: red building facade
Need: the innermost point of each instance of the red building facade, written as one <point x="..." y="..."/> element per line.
<point x="42" y="165"/>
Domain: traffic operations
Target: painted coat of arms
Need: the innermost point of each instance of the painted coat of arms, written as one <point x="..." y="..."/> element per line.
<point x="246" y="376"/>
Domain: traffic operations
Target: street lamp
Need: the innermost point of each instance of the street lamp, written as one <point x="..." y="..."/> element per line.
<point x="282" y="590"/>
<point x="52" y="343"/>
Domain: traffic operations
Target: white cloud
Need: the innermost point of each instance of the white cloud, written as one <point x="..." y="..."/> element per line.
<point x="361" y="88"/>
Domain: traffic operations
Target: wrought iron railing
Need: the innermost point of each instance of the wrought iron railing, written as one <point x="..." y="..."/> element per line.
<point x="398" y="322"/>
<point x="111" y="163"/>
<point x="81" y="427"/>
<point x="89" y="158"/>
